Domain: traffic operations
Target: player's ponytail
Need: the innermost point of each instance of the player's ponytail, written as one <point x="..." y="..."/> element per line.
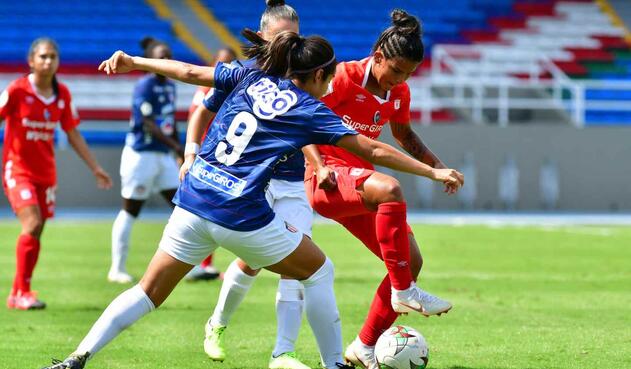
<point x="402" y="38"/>
<point x="277" y="10"/>
<point x="31" y="52"/>
<point x="290" y="55"/>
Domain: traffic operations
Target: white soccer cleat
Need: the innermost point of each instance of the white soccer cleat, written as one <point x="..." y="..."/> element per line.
<point x="361" y="355"/>
<point x="115" y="276"/>
<point x="415" y="299"/>
<point x="214" y="343"/>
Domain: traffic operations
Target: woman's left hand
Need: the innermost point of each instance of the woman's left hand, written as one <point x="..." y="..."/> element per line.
<point x="326" y="178"/>
<point x="103" y="179"/>
<point x="119" y="62"/>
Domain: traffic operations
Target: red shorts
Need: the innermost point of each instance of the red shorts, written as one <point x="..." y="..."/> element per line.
<point x="344" y="204"/>
<point x="23" y="192"/>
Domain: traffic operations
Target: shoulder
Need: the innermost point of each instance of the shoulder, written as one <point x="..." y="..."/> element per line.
<point x="144" y="85"/>
<point x="64" y="91"/>
<point x="354" y="69"/>
<point x="19" y="84"/>
<point x="401" y="91"/>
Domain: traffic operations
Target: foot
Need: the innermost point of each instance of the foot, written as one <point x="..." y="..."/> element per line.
<point x="213" y="344"/>
<point x="415" y="299"/>
<point x="288" y="360"/>
<point x="116" y="276"/>
<point x="361" y="355"/>
<point x="26" y="301"/>
<point x="202" y="274"/>
<point x="73" y="361"/>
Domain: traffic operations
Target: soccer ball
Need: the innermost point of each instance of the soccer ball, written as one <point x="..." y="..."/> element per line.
<point x="401" y="347"/>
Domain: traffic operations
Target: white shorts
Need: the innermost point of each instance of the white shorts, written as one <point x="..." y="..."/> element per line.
<point x="190" y="238"/>
<point x="289" y="202"/>
<point x="146" y="172"/>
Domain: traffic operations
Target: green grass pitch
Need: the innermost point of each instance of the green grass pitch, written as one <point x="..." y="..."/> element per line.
<point x="523" y="298"/>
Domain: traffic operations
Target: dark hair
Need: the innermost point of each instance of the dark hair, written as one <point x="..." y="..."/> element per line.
<point x="31" y="50"/>
<point x="402" y="38"/>
<point x="150" y="43"/>
<point x="277" y="9"/>
<point x="290" y="55"/>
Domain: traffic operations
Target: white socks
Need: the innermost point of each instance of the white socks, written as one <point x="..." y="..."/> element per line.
<point x="120" y="240"/>
<point x="236" y="285"/>
<point x="126" y="309"/>
<point x="289" y="304"/>
<point x="323" y="315"/>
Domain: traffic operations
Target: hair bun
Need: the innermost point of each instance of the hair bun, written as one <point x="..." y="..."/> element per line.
<point x="146" y="41"/>
<point x="271" y="3"/>
<point x="405" y="22"/>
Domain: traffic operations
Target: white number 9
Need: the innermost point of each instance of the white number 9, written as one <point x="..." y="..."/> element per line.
<point x="238" y="142"/>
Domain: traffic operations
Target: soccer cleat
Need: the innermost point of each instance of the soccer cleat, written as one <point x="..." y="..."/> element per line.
<point x="213" y="343"/>
<point x="361" y="355"/>
<point x="73" y="361"/>
<point x="202" y="274"/>
<point x="288" y="360"/>
<point x="116" y="276"/>
<point x="344" y="366"/>
<point x="26" y="301"/>
<point x="11" y="301"/>
<point x="415" y="299"/>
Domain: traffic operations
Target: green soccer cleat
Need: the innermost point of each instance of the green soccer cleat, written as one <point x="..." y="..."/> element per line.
<point x="213" y="343"/>
<point x="288" y="360"/>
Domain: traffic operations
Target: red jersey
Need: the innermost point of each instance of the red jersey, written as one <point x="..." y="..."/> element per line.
<point x="361" y="110"/>
<point x="30" y="128"/>
<point x="198" y="98"/>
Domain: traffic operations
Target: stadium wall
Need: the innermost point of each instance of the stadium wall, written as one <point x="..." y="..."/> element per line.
<point x="593" y="164"/>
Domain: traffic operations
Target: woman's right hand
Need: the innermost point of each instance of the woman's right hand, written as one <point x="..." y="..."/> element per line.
<point x="188" y="161"/>
<point x="451" y="178"/>
<point x="119" y="62"/>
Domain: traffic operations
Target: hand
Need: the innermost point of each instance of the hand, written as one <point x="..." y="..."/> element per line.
<point x="451" y="178"/>
<point x="326" y="178"/>
<point x="103" y="180"/>
<point x="119" y="62"/>
<point x="188" y="161"/>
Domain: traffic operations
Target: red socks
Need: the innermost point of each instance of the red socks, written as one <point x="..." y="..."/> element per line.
<point x="27" y="252"/>
<point x="206" y="262"/>
<point x="380" y="316"/>
<point x="391" y="227"/>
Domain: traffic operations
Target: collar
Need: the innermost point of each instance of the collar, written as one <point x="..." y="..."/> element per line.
<point x="45" y="100"/>
<point x="365" y="81"/>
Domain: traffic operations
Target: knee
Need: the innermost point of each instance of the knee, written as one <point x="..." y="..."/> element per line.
<point x="245" y="268"/>
<point x="324" y="274"/>
<point x="33" y="226"/>
<point x="391" y="191"/>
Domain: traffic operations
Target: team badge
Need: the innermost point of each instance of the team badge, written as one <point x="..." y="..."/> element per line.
<point x="377" y="116"/>
<point x="46" y="115"/>
<point x="291" y="228"/>
<point x="397" y="104"/>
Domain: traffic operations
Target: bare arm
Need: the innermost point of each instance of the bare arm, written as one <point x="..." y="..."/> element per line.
<point x="120" y="62"/>
<point x="324" y="174"/>
<point x="385" y="155"/>
<point x="412" y="143"/>
<point x="197" y="126"/>
<point x="157" y="133"/>
<point x="79" y="145"/>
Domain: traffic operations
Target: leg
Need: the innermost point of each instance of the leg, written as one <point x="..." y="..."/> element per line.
<point x="121" y="231"/>
<point x="308" y="264"/>
<point x="162" y="275"/>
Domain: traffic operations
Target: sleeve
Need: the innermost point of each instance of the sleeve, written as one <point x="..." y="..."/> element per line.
<point x="326" y="128"/>
<point x="228" y="76"/>
<point x="69" y="115"/>
<point x="337" y="88"/>
<point x="214" y="99"/>
<point x="142" y="105"/>
<point x="402" y="107"/>
<point x="7" y="101"/>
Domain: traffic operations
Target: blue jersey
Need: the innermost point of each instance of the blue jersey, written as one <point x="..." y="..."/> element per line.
<point x="153" y="99"/>
<point x="292" y="166"/>
<point x="262" y="119"/>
